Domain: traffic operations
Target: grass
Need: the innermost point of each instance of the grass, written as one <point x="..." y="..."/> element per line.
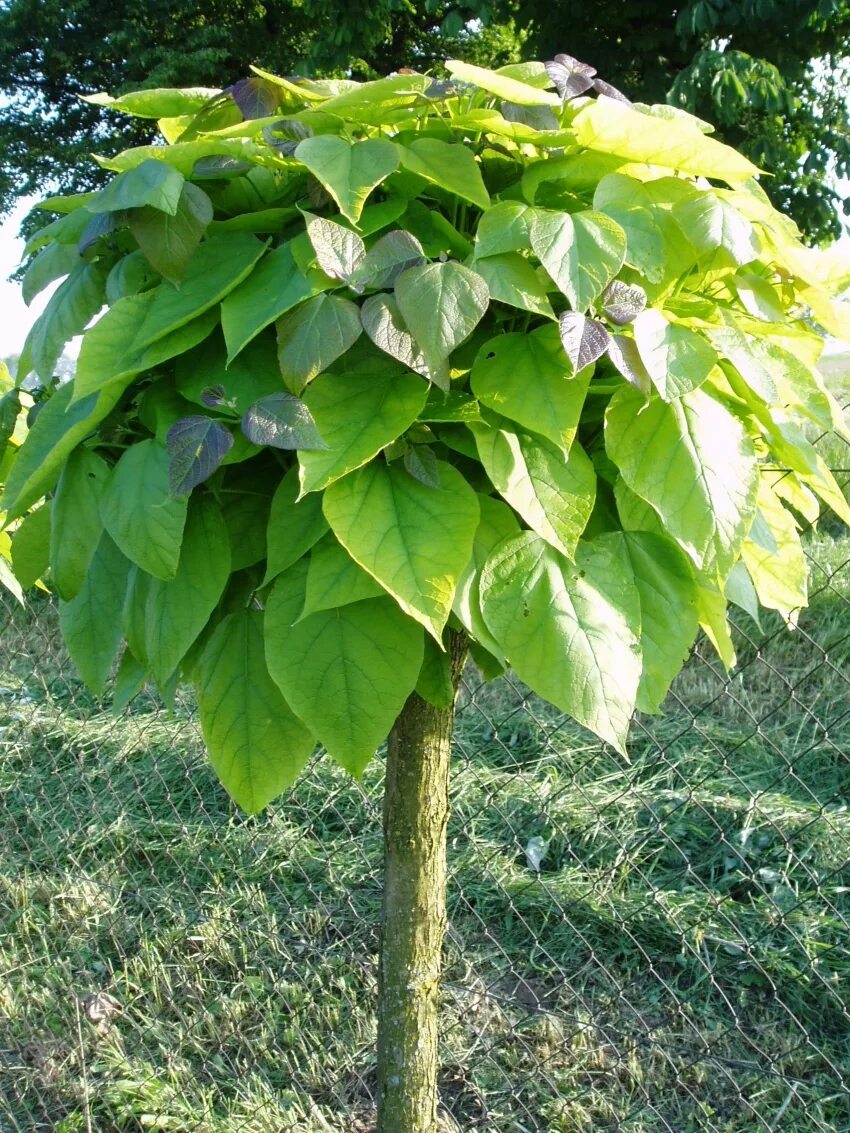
<point x="679" y="961"/>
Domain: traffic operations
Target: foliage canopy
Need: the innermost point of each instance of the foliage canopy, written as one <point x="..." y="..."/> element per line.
<point x="506" y="354"/>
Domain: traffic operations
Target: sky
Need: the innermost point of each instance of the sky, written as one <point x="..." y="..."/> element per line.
<point x="16" y="318"/>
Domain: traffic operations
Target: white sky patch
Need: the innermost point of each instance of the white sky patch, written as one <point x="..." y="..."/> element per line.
<point x="15" y="317"/>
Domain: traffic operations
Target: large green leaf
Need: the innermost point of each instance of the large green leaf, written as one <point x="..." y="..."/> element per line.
<point x="109" y="353"/>
<point x="313" y="335"/>
<point x="777" y="564"/>
<point x="255" y="742"/>
<point x="346" y="672"/>
<point x="77" y="526"/>
<point x="358" y="100"/>
<point x="158" y="102"/>
<point x="219" y="265"/>
<point x="441" y="303"/>
<point x="497" y="522"/>
<point x="253" y="374"/>
<point x="553" y="491"/>
<point x="712" y="222"/>
<point x="177" y="611"/>
<point x="169" y="240"/>
<point x="140" y="513"/>
<point x="357" y="414"/>
<point x="413" y="539"/>
<point x="510" y="89"/>
<point x="656" y="244"/>
<point x="694" y="463"/>
<point x="582" y="252"/>
<point x="54" y="262"/>
<point x="294" y="525"/>
<point x="384" y="324"/>
<point x="451" y="166"/>
<point x="72" y="305"/>
<point x="225" y="153"/>
<point x="676" y="358"/>
<point x="31" y="547"/>
<point x="348" y="170"/>
<point x="528" y="378"/>
<point x="614" y="127"/>
<point x="334" y="579"/>
<point x="339" y="251"/>
<point x="570" y="631"/>
<point x="664" y="577"/>
<point x="58" y="429"/>
<point x="506" y="227"/>
<point x="511" y="279"/>
<point x="91" y="621"/>
<point x="275" y="286"/>
<point x="134" y="624"/>
<point x="774" y="372"/>
<point x="151" y="183"/>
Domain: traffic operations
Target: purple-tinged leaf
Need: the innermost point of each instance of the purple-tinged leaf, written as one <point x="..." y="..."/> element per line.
<point x="338" y="250"/>
<point x="282" y="420"/>
<point x="196" y="447"/>
<point x="601" y="87"/>
<point x="255" y="97"/>
<point x="220" y="166"/>
<point x="571" y="78"/>
<point x="284" y="136"/>
<point x="383" y="322"/>
<point x="584" y="340"/>
<point x="626" y="358"/>
<point x="573" y="64"/>
<point x="441" y="88"/>
<point x="214" y="396"/>
<point x="422" y="464"/>
<point x="317" y="194"/>
<point x="623" y="302"/>
<point x="168" y="241"/>
<point x="394" y="253"/>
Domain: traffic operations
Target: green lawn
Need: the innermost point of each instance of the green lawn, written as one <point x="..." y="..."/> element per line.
<point x="681" y="961"/>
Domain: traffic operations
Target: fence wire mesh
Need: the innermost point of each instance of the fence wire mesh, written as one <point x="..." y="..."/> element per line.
<point x="643" y="946"/>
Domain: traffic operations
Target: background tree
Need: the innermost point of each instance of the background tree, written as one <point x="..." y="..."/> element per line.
<point x="394" y="370"/>
<point x="771" y="75"/>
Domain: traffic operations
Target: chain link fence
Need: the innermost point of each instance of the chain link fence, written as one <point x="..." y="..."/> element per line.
<point x="645" y="946"/>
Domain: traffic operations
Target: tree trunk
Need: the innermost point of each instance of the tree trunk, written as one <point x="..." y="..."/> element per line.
<point x="416" y="810"/>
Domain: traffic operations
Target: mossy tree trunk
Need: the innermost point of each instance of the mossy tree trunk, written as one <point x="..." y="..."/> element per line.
<point x="416" y="810"/>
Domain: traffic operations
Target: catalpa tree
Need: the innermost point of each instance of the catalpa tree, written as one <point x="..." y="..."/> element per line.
<point x="396" y="369"/>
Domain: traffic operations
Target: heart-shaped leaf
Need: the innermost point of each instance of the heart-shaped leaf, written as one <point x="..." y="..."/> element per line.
<point x="394" y="253"/>
<point x="338" y="250"/>
<point x="584" y="339"/>
<point x="348" y="170"/>
<point x="196" y="447"/>
<point x="384" y="324"/>
<point x="623" y="302"/>
<point x="282" y="421"/>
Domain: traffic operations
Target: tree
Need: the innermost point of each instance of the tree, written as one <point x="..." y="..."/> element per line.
<point x="770" y="74"/>
<point x="394" y="370"/>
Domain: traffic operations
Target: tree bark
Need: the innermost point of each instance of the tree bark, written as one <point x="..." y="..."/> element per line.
<point x="416" y="810"/>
